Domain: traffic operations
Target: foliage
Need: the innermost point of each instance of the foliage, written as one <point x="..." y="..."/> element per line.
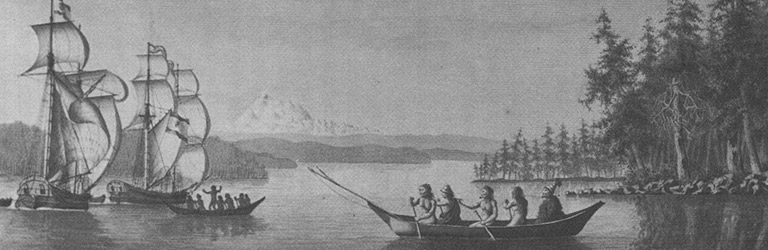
<point x="689" y="101"/>
<point x="581" y="155"/>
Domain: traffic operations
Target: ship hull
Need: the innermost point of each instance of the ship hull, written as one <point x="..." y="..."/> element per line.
<point x="32" y="196"/>
<point x="121" y="192"/>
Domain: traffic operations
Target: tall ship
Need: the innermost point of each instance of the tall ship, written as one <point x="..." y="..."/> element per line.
<point x="172" y="123"/>
<point x="79" y="121"/>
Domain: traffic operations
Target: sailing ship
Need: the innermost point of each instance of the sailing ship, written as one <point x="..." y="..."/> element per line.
<point x="173" y="124"/>
<point x="80" y="124"/>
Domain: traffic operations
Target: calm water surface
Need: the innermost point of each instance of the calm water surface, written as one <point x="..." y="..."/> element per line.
<point x="300" y="212"/>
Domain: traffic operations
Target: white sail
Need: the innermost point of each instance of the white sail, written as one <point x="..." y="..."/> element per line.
<point x="83" y="137"/>
<point x="103" y="89"/>
<point x="163" y="149"/>
<point x="100" y="83"/>
<point x="70" y="48"/>
<point x="178" y="127"/>
<point x="158" y="67"/>
<point x="192" y="167"/>
<point x="187" y="82"/>
<point x="161" y="100"/>
<point x="199" y="123"/>
<point x="106" y="105"/>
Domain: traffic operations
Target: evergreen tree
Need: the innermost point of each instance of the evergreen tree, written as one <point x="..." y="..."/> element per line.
<point x="506" y="158"/>
<point x="518" y="154"/>
<point x="548" y="151"/>
<point x="563" y="152"/>
<point x="613" y="85"/>
<point x="537" y="160"/>
<point x="680" y="66"/>
<point x="739" y="67"/>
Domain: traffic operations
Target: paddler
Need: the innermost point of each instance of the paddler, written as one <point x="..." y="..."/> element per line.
<point x="487" y="206"/>
<point x="449" y="205"/>
<point x="425" y="203"/>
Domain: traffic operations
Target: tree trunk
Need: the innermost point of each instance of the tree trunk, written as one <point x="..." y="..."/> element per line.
<point x="750" y="150"/>
<point x="707" y="151"/>
<point x="730" y="150"/>
<point x="677" y="137"/>
<point x="636" y="153"/>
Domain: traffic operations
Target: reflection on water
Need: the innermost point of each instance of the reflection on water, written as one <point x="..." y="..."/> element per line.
<point x="58" y="229"/>
<point x="212" y="228"/>
<point x="448" y="243"/>
<point x="305" y="214"/>
<point x="702" y="222"/>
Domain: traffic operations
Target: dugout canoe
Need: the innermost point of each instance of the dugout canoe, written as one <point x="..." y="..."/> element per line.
<point x="238" y="211"/>
<point x="572" y="224"/>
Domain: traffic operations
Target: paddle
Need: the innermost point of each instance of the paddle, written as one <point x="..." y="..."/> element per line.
<point x="415" y="217"/>
<point x="484" y="226"/>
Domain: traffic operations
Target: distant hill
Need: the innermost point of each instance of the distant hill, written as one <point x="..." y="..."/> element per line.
<point x="20" y="153"/>
<point x="226" y="160"/>
<point x="420" y="142"/>
<point x="453" y="155"/>
<point x="315" y="152"/>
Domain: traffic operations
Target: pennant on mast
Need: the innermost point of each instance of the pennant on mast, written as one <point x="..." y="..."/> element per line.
<point x="65" y="11"/>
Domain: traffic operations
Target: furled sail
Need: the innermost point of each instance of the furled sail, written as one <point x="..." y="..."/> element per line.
<point x="70" y="48"/>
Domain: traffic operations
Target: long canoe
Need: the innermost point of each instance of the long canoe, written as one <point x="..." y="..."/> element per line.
<point x="572" y="224"/>
<point x="238" y="211"/>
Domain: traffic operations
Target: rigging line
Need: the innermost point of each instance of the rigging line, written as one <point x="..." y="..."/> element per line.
<point x="342" y="196"/>
<point x="328" y="178"/>
<point x="162" y="161"/>
<point x="82" y="151"/>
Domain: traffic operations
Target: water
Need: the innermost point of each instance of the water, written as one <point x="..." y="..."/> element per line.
<point x="300" y="212"/>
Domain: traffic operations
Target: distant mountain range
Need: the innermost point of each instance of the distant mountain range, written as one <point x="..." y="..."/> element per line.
<point x="283" y="128"/>
<point x="271" y="115"/>
<point x="352" y="151"/>
<point x="420" y="142"/>
<point x="320" y="153"/>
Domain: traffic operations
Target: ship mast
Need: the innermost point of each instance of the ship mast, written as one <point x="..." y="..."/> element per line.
<point x="51" y="73"/>
<point x="147" y="122"/>
<point x="173" y="173"/>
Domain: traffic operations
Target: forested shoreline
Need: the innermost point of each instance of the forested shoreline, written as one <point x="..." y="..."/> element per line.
<point x="688" y="101"/>
<point x="561" y="155"/>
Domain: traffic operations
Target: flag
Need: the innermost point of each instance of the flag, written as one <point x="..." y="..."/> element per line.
<point x="65" y="11"/>
<point x="153" y="49"/>
<point x="178" y="133"/>
<point x="175" y="126"/>
<point x="177" y="116"/>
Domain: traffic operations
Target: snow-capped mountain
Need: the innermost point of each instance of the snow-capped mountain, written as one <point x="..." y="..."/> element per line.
<point x="269" y="115"/>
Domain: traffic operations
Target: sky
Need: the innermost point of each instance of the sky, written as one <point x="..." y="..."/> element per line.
<point x="476" y="68"/>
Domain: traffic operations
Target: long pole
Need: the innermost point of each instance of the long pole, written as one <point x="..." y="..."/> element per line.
<point x="175" y="73"/>
<point x="415" y="220"/>
<point x="147" y="121"/>
<point x="484" y="226"/>
<point x="50" y="71"/>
